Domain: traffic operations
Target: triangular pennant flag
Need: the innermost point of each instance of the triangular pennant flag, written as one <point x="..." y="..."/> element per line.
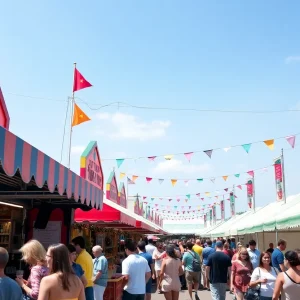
<point x="226" y="190"/>
<point x="79" y="81"/>
<point x="226" y="149"/>
<point x="237" y="175"/>
<point x="225" y="177"/>
<point x="213" y="180"/>
<point x="122" y="175"/>
<point x="200" y="179"/>
<point x="186" y="182"/>
<point x="250" y="173"/>
<point x="188" y="155"/>
<point x="247" y="147"/>
<point x="264" y="170"/>
<point x="178" y="200"/>
<point x="152" y="199"/>
<point x="208" y="153"/>
<point x="170" y="200"/>
<point x="160" y="181"/>
<point x="151" y="158"/>
<point x="239" y="186"/>
<point x="134" y="178"/>
<point x="148" y="179"/>
<point x="168" y="157"/>
<point x="186" y="200"/>
<point x="188" y="196"/>
<point x="217" y="197"/>
<point x="198" y="194"/>
<point x="173" y="181"/>
<point x="79" y="116"/>
<point x="291" y="140"/>
<point x="207" y="194"/>
<point x="119" y="161"/>
<point x="269" y="144"/>
<point x="144" y="197"/>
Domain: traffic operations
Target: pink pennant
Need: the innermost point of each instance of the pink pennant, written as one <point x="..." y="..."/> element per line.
<point x="170" y="200"/>
<point x="151" y="158"/>
<point x="178" y="200"/>
<point x="291" y="140"/>
<point x="250" y="173"/>
<point x="239" y="186"/>
<point x="188" y="155"/>
<point x="186" y="200"/>
<point x="182" y="207"/>
<point x="226" y="190"/>
<point x="198" y="194"/>
<point x="144" y="197"/>
<point x="202" y="199"/>
<point x="186" y="182"/>
<point x="156" y="204"/>
<point x="148" y="179"/>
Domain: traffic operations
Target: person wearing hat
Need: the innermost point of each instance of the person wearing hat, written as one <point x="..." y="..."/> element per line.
<point x="100" y="272"/>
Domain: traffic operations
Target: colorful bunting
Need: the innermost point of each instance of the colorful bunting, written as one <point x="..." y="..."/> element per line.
<point x="122" y="175"/>
<point x="225" y="177"/>
<point x="269" y="144"/>
<point x="134" y="178"/>
<point x="239" y="186"/>
<point x="226" y="190"/>
<point x="119" y="161"/>
<point x="213" y="180"/>
<point x="226" y="149"/>
<point x="168" y="157"/>
<point x="237" y="175"/>
<point x="291" y="140"/>
<point x="188" y="196"/>
<point x="200" y="179"/>
<point x="188" y="155"/>
<point x="207" y="194"/>
<point x="186" y="182"/>
<point x="151" y="158"/>
<point x="173" y="181"/>
<point x="208" y="153"/>
<point x="148" y="179"/>
<point x="247" y="147"/>
<point x="160" y="181"/>
<point x="250" y="173"/>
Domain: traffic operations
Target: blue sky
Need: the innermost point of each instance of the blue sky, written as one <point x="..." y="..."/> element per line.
<point x="207" y="55"/>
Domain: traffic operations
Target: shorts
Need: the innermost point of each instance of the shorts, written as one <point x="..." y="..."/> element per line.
<point x="149" y="286"/>
<point x="192" y="277"/>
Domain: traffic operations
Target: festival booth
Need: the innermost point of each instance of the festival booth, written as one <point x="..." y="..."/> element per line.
<point x="37" y="195"/>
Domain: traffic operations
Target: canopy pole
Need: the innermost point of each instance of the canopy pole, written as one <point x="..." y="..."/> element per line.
<point x="276" y="235"/>
<point x="283" y="176"/>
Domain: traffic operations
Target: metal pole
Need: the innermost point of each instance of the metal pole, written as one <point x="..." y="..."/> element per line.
<point x="283" y="176"/>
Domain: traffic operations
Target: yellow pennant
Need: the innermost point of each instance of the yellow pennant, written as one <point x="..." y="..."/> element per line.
<point x="207" y="194"/>
<point x="269" y="144"/>
<point x="134" y="178"/>
<point x="173" y="181"/>
<point x="168" y="157"/>
<point x="225" y="177"/>
<point x="122" y="175"/>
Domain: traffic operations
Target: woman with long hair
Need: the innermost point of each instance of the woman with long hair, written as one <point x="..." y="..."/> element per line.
<point x="241" y="274"/>
<point x="265" y="276"/>
<point x="34" y="254"/>
<point x="289" y="281"/>
<point x="171" y="269"/>
<point x="62" y="283"/>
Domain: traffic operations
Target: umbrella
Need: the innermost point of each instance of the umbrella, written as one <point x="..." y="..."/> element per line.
<point x="153" y="237"/>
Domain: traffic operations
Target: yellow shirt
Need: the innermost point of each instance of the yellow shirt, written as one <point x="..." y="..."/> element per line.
<point x="198" y="249"/>
<point x="85" y="260"/>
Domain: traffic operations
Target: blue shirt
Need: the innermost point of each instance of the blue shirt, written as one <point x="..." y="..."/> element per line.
<point x="254" y="257"/>
<point x="148" y="257"/>
<point x="101" y="264"/>
<point x="77" y="269"/>
<point x="9" y="289"/>
<point x="206" y="253"/>
<point x="277" y="259"/>
<point x="188" y="258"/>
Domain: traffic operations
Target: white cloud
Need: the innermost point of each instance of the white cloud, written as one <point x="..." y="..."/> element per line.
<point x="175" y="165"/>
<point x="125" y="126"/>
<point x="77" y="149"/>
<point x="292" y="59"/>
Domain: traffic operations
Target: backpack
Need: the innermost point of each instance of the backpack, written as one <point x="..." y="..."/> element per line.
<point x="196" y="266"/>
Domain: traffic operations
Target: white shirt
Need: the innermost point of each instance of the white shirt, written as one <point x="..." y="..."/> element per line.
<point x="150" y="249"/>
<point x="136" y="267"/>
<point x="158" y="262"/>
<point x="267" y="288"/>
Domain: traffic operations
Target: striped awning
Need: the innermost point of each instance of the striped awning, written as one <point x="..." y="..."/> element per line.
<point x="17" y="155"/>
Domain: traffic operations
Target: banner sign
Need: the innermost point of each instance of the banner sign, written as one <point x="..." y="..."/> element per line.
<point x="232" y="204"/>
<point x="279" y="178"/>
<point x="122" y="195"/>
<point x="210" y="217"/>
<point x="222" y="205"/>
<point x="250" y="192"/>
<point x="205" y="220"/>
<point x="214" y="214"/>
<point x="112" y="188"/>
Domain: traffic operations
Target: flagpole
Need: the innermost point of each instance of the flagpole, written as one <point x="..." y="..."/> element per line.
<point x="253" y="184"/>
<point x="71" y="127"/>
<point x="283" y="176"/>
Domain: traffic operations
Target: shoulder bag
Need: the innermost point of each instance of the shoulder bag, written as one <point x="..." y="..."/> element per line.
<point x="253" y="293"/>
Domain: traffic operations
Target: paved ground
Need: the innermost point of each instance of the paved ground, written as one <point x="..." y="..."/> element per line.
<point x="203" y="295"/>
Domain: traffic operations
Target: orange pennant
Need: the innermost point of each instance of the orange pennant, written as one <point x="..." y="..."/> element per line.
<point x="79" y="116"/>
<point x="173" y="181"/>
<point x="134" y="178"/>
<point x="225" y="177"/>
<point x="270" y="144"/>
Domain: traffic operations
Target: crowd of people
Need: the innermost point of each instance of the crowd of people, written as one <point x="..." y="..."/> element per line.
<point x="70" y="273"/>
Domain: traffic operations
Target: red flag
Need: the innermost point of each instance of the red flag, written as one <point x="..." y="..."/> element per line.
<point x="79" y="81"/>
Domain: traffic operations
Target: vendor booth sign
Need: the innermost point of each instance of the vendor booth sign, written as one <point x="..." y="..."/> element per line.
<point x="122" y="195"/>
<point x="112" y="188"/>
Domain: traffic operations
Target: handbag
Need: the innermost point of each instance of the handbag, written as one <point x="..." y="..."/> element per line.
<point x="253" y="293"/>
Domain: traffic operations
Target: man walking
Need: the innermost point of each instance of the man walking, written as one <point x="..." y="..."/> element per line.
<point x="192" y="266"/>
<point x="85" y="260"/>
<point x="207" y="251"/>
<point x="199" y="249"/>
<point x="142" y="252"/>
<point x="136" y="273"/>
<point x="254" y="254"/>
<point x="100" y="273"/>
<point x="277" y="256"/>
<point x="218" y="268"/>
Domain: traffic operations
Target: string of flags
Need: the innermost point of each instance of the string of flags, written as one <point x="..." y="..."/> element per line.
<point x="174" y="181"/>
<point x="270" y="143"/>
